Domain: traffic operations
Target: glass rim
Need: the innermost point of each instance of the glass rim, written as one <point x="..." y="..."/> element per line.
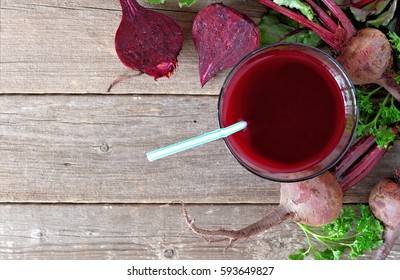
<point x="355" y="111"/>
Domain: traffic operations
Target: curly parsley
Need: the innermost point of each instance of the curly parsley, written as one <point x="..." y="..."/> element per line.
<point x="376" y="118"/>
<point x="347" y="234"/>
<point x="395" y="41"/>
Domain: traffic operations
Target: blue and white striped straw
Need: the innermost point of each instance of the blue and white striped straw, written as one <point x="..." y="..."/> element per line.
<point x="196" y="141"/>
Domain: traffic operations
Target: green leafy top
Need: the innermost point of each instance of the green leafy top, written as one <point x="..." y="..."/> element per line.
<point x="357" y="233"/>
<point x="275" y="27"/>
<point x="305" y="9"/>
<point x="377" y="14"/>
<point x="181" y="3"/>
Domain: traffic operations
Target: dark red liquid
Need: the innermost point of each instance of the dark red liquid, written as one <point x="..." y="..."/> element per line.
<point x="294" y="109"/>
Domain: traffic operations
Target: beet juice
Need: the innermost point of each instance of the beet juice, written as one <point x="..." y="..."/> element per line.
<point x="294" y="107"/>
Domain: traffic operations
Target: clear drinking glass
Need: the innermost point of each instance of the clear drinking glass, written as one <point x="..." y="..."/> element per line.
<point x="300" y="108"/>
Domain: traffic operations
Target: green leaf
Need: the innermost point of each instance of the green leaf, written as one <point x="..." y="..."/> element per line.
<point x="379" y="127"/>
<point x="389" y="114"/>
<point x="274" y="28"/>
<point x="298" y="5"/>
<point x="181" y="3"/>
<point x="384" y="136"/>
<point x="299" y="255"/>
<point x="330" y="253"/>
<point x="395" y="41"/>
<point x="376" y="118"/>
<point x="338" y="252"/>
<point x="341" y="225"/>
<point x="370" y="233"/>
<point x="384" y="18"/>
<point x="364" y="102"/>
<point x="187" y="3"/>
<point x="361" y="14"/>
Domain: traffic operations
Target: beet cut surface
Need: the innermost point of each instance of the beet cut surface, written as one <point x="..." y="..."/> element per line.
<point x="147" y="40"/>
<point x="222" y="37"/>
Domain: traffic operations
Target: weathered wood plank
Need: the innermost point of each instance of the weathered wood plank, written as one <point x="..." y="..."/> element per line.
<point x="92" y="148"/>
<point x="63" y="148"/>
<point x="68" y="47"/>
<point x="139" y="232"/>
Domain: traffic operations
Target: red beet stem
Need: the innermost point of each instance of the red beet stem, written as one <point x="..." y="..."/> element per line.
<point x="359" y="160"/>
<point x="132" y="6"/>
<point x="362" y="169"/>
<point x="324" y="17"/>
<point x="348" y="26"/>
<point x="322" y="32"/>
<point x="334" y="35"/>
<point x="358" y="149"/>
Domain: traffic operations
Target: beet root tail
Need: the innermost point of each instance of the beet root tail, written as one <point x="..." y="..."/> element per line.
<point x="123" y="77"/>
<point x="390" y="235"/>
<point x="389" y="83"/>
<point x="273" y="218"/>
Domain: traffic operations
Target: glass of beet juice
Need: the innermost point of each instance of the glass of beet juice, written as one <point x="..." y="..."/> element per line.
<point x="300" y="108"/>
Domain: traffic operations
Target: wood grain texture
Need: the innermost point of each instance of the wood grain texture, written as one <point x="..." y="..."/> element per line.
<point x="92" y="149"/>
<point x="74" y="179"/>
<point x="120" y="232"/>
<point x="68" y="47"/>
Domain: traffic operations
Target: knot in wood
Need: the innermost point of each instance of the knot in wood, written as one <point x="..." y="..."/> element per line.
<point x="104" y="148"/>
<point x="169" y="253"/>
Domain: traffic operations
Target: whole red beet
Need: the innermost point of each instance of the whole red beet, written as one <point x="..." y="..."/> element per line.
<point x="384" y="201"/>
<point x="366" y="55"/>
<point x="313" y="202"/>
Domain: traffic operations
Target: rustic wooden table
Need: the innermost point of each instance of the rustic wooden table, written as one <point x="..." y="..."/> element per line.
<point x="74" y="179"/>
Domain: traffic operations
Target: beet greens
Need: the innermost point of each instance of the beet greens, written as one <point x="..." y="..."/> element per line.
<point x="366" y="55"/>
<point x="181" y="3"/>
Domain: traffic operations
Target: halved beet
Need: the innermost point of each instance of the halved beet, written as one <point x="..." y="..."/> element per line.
<point x="222" y="37"/>
<point x="147" y="40"/>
